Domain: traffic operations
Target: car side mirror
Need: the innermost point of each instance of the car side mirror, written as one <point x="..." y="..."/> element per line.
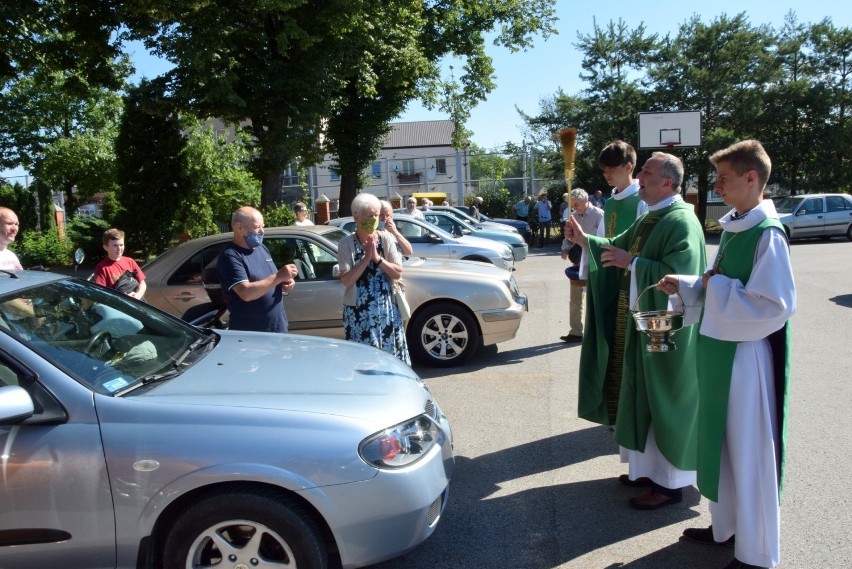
<point x="802" y="211"/>
<point x="335" y="271"/>
<point x="15" y="405"/>
<point x="433" y="238"/>
<point x="466" y="231"/>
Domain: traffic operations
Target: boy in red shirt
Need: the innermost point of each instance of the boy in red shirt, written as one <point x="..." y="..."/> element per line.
<point x="110" y="269"/>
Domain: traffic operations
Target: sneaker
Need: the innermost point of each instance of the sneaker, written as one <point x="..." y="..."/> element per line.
<point x="571" y="338"/>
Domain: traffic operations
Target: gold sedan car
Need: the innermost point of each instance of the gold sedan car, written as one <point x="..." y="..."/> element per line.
<point x="456" y="306"/>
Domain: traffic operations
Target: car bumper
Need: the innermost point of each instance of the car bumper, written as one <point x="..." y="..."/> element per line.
<point x="501" y="325"/>
<point x="519" y="251"/>
<point x="394" y="512"/>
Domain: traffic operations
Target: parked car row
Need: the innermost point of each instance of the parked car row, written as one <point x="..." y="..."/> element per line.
<point x="460" y="226"/>
<point x="132" y="439"/>
<point x="457" y="306"/>
<point x="430" y="241"/>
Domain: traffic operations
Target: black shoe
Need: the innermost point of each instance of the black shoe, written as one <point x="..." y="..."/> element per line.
<point x="641" y="482"/>
<point x="654" y="500"/>
<point x="704" y="536"/>
<point x="737" y="564"/>
<point x="571" y="338"/>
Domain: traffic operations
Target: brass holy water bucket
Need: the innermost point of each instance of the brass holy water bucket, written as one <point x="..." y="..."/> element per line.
<point x="658" y="325"/>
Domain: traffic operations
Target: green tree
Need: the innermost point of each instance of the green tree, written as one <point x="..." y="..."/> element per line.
<point x="832" y="58"/>
<point x="62" y="130"/>
<point x="76" y="37"/>
<point x="274" y="62"/>
<point x="154" y="191"/>
<point x="217" y="171"/>
<point x="721" y="69"/>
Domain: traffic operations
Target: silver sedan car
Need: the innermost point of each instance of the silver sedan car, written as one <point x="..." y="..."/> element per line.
<point x="816" y="215"/>
<point x="456" y="306"/>
<point x="131" y="439"/>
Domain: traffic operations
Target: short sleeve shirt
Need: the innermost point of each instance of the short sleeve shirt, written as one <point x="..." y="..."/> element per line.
<point x="237" y="265"/>
<point x="108" y="271"/>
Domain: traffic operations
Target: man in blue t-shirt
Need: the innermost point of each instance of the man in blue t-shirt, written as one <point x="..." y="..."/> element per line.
<point x="251" y="284"/>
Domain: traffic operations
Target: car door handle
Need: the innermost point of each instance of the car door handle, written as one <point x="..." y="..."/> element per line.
<point x="185" y="296"/>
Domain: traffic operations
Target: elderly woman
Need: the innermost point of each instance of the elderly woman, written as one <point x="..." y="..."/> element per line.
<point x="369" y="263"/>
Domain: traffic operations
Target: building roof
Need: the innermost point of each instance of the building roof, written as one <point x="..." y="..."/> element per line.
<point x="419" y="134"/>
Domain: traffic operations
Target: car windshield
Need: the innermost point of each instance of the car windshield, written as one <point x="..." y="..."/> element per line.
<point x="101" y="338"/>
<point x="787" y="205"/>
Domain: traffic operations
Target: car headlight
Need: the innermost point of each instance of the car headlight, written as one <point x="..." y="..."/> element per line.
<point x="401" y="445"/>
<point x="506" y="254"/>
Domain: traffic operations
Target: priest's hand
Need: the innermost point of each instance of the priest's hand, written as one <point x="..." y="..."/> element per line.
<point x="575" y="233"/>
<point x="614" y="257"/>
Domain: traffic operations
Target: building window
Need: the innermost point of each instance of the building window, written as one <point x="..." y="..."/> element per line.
<point x="408" y="167"/>
<point x="441" y="165"/>
<point x="334" y="173"/>
<point x="376" y="169"/>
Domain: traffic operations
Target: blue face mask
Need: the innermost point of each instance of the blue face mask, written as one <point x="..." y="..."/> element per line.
<point x="254" y="240"/>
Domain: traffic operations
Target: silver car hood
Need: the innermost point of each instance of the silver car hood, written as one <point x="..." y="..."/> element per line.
<point x="296" y="373"/>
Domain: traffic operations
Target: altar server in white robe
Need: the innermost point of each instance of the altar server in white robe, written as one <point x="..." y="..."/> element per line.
<point x="748" y="295"/>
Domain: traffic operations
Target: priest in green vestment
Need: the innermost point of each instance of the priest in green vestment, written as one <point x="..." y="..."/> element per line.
<point x="654" y="408"/>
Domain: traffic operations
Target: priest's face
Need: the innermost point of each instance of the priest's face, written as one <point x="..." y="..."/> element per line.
<point x="740" y="191"/>
<point x="653" y="184"/>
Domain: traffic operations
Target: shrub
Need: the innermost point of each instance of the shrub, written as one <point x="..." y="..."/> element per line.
<point x="278" y="215"/>
<point x="87" y="233"/>
<point x="45" y="249"/>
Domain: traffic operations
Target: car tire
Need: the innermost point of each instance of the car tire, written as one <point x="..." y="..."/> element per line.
<point x="442" y="335"/>
<point x="288" y="534"/>
<point x="849" y="232"/>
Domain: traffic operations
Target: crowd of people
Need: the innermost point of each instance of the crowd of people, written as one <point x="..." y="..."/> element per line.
<point x="710" y="413"/>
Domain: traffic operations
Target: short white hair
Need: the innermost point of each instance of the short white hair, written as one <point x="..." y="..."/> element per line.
<point x="579" y="194"/>
<point x="363" y="201"/>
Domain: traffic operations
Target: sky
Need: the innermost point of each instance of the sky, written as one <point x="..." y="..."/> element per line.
<point x="525" y="78"/>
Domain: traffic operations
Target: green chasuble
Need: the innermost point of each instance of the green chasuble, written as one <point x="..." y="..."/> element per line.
<point x="658" y="388"/>
<point x="716" y="361"/>
<point x="620" y="214"/>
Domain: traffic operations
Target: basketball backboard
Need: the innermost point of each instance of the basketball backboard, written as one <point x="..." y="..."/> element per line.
<point x="670" y="129"/>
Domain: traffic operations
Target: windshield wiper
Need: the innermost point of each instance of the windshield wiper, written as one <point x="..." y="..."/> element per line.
<point x="148" y="380"/>
<point x="173" y="370"/>
<point x="200" y="342"/>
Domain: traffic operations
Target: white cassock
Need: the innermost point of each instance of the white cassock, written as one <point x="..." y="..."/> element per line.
<point x="748" y="503"/>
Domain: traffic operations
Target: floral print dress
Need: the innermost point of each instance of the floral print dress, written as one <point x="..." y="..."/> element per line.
<point x="375" y="319"/>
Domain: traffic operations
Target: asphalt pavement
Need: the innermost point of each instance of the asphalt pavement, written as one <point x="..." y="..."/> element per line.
<point x="535" y="486"/>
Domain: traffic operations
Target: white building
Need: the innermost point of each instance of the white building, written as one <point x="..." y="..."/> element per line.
<point x="416" y="159"/>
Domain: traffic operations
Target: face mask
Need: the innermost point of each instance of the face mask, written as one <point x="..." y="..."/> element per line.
<point x="381" y="224"/>
<point x="369" y="225"/>
<point x="254" y="240"/>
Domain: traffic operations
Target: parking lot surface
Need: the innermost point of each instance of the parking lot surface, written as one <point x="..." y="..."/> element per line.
<point x="535" y="487"/>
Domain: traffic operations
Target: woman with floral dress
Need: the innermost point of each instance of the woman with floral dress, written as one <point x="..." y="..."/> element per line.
<point x="370" y="262"/>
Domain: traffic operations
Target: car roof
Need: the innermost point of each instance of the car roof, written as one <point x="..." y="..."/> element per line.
<point x="18" y="280"/>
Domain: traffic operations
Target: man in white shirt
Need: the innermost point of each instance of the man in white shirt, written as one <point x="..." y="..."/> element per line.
<point x="8" y="231"/>
<point x="590" y="219"/>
